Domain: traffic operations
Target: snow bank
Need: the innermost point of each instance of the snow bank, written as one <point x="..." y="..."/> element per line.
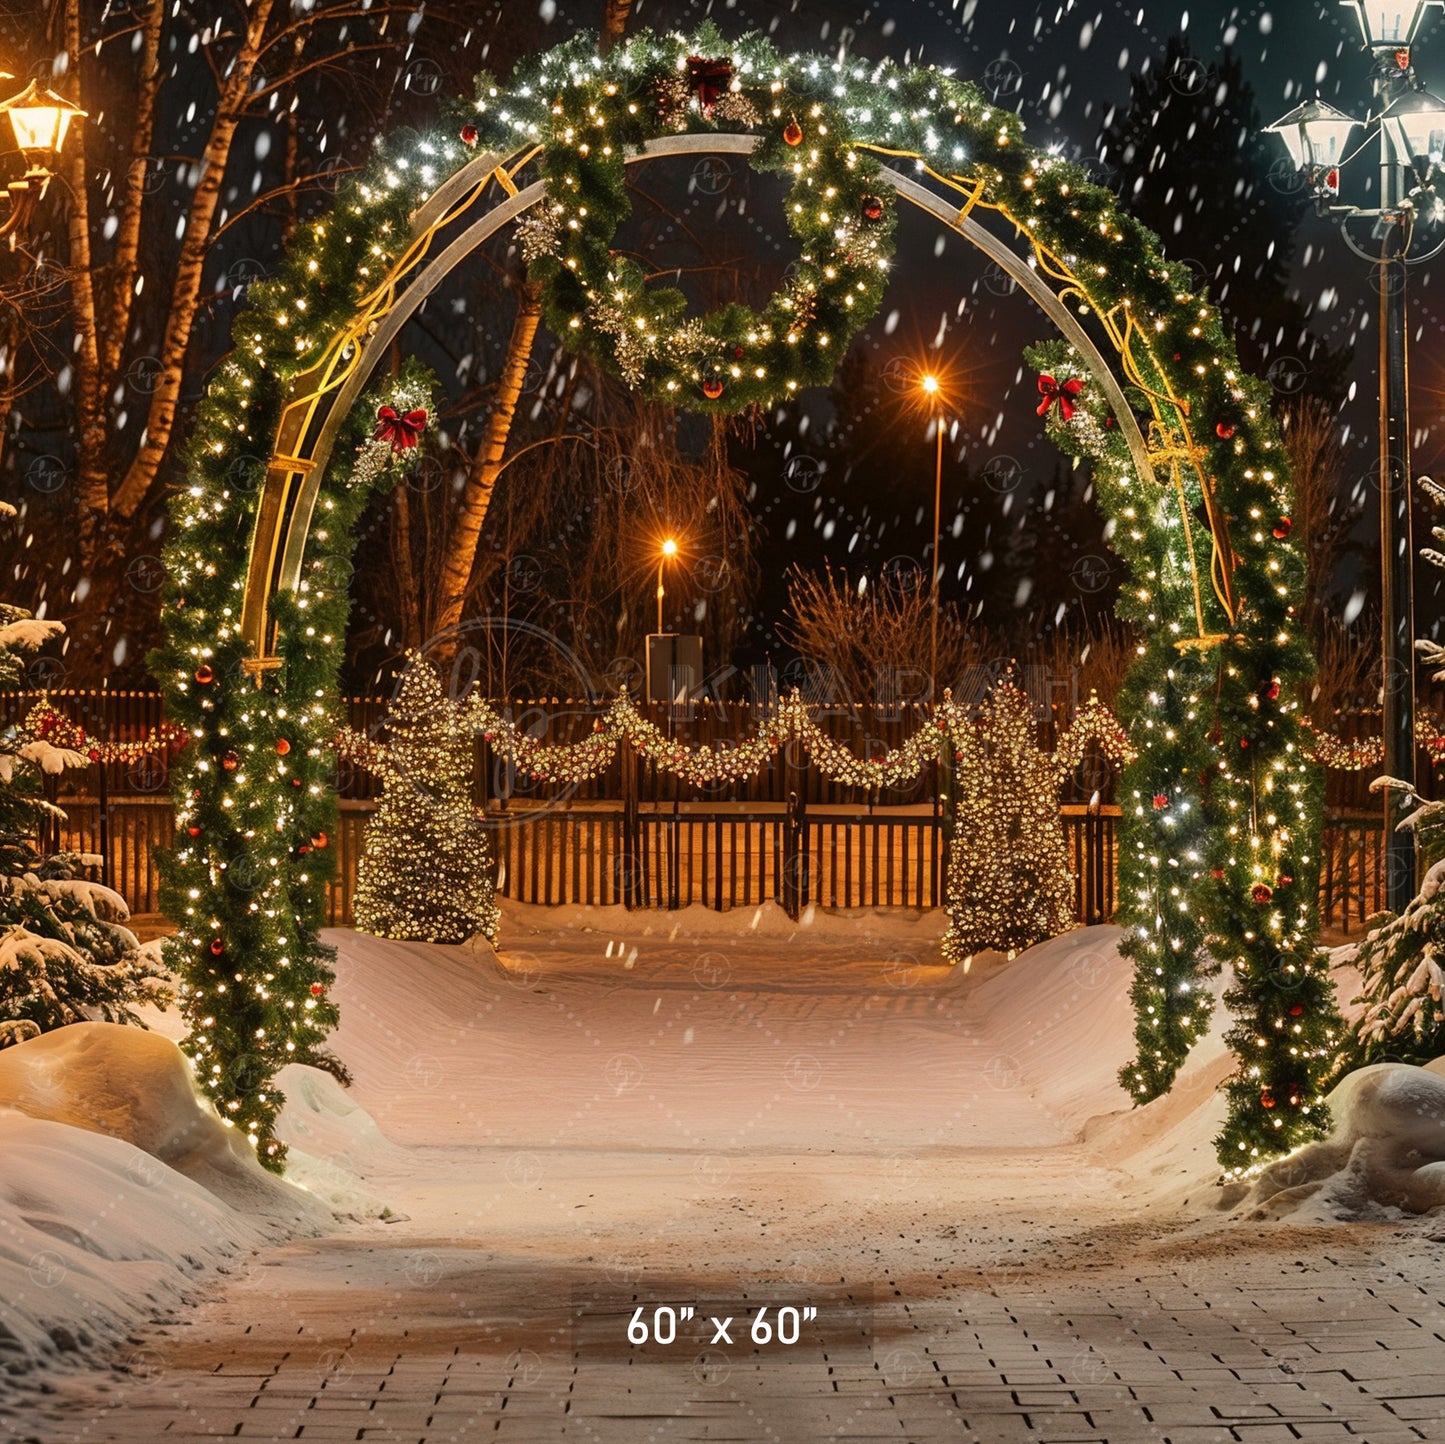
<point x="334" y="1145"/>
<point x="121" y="1191"/>
<point x="1385" y="1156"/>
<point x="130" y="1084"/>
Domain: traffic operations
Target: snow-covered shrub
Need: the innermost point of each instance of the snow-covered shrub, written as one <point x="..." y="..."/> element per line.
<point x="65" y="954"/>
<point x="1402" y="966"/>
<point x="1402" y="961"/>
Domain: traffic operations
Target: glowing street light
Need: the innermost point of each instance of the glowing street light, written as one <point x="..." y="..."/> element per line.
<point x="40" y="120"/>
<point x="1404" y="230"/>
<point x="931" y="388"/>
<point x="669" y="550"/>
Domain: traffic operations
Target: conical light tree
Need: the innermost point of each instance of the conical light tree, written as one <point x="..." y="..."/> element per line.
<point x="425" y="870"/>
<point x="1009" y="884"/>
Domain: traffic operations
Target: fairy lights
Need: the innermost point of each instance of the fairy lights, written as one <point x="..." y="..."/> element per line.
<point x="1242" y="797"/>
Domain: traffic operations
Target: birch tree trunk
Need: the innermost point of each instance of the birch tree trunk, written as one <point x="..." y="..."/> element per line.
<point x="461" y="550"/>
<point x="139" y="478"/>
<point x="614" y="23"/>
<point x="92" y="479"/>
<point x="123" y="266"/>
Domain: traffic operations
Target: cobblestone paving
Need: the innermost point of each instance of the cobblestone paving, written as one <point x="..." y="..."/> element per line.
<point x="1256" y="1335"/>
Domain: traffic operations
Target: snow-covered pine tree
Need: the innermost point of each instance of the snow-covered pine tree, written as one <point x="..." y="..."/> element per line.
<point x="1009" y="884"/>
<point x="65" y="954"/>
<point x="425" y="869"/>
<point x="1402" y="962"/>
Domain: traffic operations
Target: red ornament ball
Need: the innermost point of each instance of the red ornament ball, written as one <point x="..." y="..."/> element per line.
<point x="712" y="388"/>
<point x="316" y="990"/>
<point x="1284" y="880"/>
<point x="469" y="135"/>
<point x="1296" y="1009"/>
<point x="1266" y="1099"/>
<point x="1225" y="430"/>
<point x="1109" y="423"/>
<point x="303" y="850"/>
<point x="296" y="782"/>
<point x="194" y="830"/>
<point x="230" y="762"/>
<point x="872" y="208"/>
<point x="204" y="675"/>
<point x="320" y="840"/>
<point x="1296" y="1094"/>
<point x="1282" y="528"/>
<point x="94" y="754"/>
<point x="282" y="746"/>
<point x="1270" y="691"/>
<point x="1161" y="801"/>
<point x="793" y="133"/>
<point x="217" y="947"/>
<point x="1261" y="892"/>
<point x="1217" y="873"/>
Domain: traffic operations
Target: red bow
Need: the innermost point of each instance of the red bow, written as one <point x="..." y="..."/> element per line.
<point x="709" y="78"/>
<point x="402" y="430"/>
<point x="1051" y="391"/>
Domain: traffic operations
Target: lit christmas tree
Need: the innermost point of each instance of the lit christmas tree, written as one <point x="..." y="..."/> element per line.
<point x="1009" y="884"/>
<point x="425" y="872"/>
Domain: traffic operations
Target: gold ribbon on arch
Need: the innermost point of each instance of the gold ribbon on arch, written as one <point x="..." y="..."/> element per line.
<point x="1170" y="442"/>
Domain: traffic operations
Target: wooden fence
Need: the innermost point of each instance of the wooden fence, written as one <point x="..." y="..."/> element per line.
<point x="643" y="841"/>
<point x="836" y="858"/>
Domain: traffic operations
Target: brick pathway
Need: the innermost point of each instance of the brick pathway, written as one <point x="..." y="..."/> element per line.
<point x="1256" y="1335"/>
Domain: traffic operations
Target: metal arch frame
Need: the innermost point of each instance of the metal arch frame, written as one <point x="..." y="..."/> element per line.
<point x="294" y="474"/>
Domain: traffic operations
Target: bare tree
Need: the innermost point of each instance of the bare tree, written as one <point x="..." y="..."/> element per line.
<point x="487" y="462"/>
<point x="861" y="631"/>
<point x="614" y="23"/>
<point x="1323" y="514"/>
<point x="565" y="567"/>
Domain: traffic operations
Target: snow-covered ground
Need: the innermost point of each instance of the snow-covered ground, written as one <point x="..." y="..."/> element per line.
<point x="617" y="1096"/>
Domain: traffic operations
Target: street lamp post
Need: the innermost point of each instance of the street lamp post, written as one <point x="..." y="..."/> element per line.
<point x="669" y="550"/>
<point x="1411" y="125"/>
<point x="930" y="386"/>
<point x="39" y="119"/>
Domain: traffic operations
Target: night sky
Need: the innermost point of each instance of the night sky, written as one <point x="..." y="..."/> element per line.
<point x="1065" y="68"/>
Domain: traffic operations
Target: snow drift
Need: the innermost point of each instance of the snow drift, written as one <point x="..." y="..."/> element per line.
<point x="1385" y="1155"/>
<point x="121" y="1191"/>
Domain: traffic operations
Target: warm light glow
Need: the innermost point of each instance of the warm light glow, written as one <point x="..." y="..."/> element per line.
<point x="40" y="118"/>
<point x="669" y="548"/>
<point x="929" y="384"/>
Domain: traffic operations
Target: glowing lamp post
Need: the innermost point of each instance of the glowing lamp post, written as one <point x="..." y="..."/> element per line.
<point x="929" y="385"/>
<point x="1411" y="124"/>
<point x="669" y="550"/>
<point x="672" y="657"/>
<point x="40" y="120"/>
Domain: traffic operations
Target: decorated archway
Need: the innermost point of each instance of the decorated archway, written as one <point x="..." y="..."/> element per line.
<point x="1221" y="827"/>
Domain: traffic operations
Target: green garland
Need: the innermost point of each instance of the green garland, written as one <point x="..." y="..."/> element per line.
<point x="1227" y="861"/>
<point x="599" y="300"/>
<point x="1220" y="833"/>
<point x="255" y="795"/>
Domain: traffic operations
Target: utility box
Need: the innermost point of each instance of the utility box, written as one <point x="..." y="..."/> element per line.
<point x="674" y="666"/>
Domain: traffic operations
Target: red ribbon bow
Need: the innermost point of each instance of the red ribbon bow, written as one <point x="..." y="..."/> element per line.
<point x="403" y="430"/>
<point x="1051" y="391"/>
<point x="709" y="78"/>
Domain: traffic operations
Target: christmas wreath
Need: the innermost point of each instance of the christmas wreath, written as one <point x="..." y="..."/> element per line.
<point x="733" y="357"/>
